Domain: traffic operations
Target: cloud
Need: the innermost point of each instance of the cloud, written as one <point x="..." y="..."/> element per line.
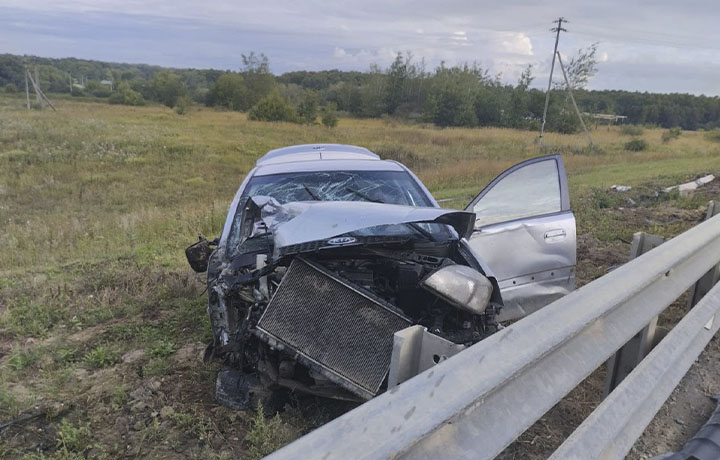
<point x="518" y="43"/>
<point x="316" y="34"/>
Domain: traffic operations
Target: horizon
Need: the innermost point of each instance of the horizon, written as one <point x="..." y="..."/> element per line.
<point x="276" y="74"/>
<point x="636" y="53"/>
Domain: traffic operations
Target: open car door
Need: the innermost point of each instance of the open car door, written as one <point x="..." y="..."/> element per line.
<point x="525" y="232"/>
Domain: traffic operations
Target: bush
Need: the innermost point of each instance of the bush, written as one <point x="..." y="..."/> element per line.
<point x="309" y="107"/>
<point x="73" y="439"/>
<point x="636" y="145"/>
<point x="167" y="88"/>
<point x="99" y="357"/>
<point x="630" y="130"/>
<point x="229" y="91"/>
<point x="273" y="108"/>
<point x="670" y="134"/>
<point x="563" y="122"/>
<point x="182" y="105"/>
<point x="162" y="349"/>
<point x="11" y="88"/>
<point x="126" y="96"/>
<point x="102" y="92"/>
<point x="329" y="115"/>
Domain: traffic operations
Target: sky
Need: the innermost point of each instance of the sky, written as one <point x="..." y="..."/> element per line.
<point x="657" y="46"/>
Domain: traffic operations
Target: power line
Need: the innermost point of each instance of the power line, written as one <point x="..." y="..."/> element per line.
<point x="649" y="41"/>
<point x="662" y="34"/>
<point x="637" y="36"/>
<point x="557" y="31"/>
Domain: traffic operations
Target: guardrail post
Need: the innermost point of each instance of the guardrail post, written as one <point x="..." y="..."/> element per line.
<point x="630" y="354"/>
<point x="709" y="279"/>
<point x="477" y="402"/>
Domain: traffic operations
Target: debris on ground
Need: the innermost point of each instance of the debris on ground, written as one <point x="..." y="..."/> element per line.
<point x="620" y="188"/>
<point x="689" y="187"/>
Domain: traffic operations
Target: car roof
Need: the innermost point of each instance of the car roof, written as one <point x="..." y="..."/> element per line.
<point x="314" y="152"/>
<point x="327" y="165"/>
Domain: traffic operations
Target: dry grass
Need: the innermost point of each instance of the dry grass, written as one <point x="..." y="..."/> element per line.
<point x="97" y="203"/>
<point x="94" y="181"/>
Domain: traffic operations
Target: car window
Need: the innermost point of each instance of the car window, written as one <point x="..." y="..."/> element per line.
<point x="395" y="187"/>
<point x="532" y="190"/>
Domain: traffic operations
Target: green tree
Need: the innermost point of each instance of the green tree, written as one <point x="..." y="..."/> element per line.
<point x="489" y="105"/>
<point x="167" y="88"/>
<point x="561" y="116"/>
<point x="453" y="95"/>
<point x="126" y="96"/>
<point x="273" y="108"/>
<point x="329" y="115"/>
<point x="308" y="108"/>
<point x="581" y="68"/>
<point x="258" y="79"/>
<point x="229" y="91"/>
<point x="183" y="104"/>
<point x="369" y="99"/>
<point x="96" y="89"/>
<point x="397" y="81"/>
<point x="518" y="110"/>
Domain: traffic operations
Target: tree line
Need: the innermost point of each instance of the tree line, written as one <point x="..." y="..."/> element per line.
<point x="460" y="95"/>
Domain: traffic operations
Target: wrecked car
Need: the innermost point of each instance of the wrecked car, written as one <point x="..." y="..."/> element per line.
<point x="337" y="274"/>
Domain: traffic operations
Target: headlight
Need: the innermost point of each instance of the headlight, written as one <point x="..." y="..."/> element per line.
<point x="461" y="286"/>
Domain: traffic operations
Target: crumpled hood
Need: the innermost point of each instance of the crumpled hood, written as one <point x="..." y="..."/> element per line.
<point x="305" y="221"/>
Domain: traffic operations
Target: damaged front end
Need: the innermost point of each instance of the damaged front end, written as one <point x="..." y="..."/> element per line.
<point x="324" y="298"/>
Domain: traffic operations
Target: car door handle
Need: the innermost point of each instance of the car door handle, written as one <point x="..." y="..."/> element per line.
<point x="554" y="236"/>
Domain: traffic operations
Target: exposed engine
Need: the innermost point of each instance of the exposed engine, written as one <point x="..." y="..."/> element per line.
<point x="323" y="321"/>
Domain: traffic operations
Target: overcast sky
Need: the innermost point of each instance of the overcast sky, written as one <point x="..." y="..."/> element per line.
<point x="660" y="46"/>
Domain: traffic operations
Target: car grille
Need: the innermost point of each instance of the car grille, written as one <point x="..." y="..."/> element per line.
<point x="337" y="329"/>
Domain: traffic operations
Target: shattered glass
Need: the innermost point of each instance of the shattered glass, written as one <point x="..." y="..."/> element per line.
<point x="282" y="197"/>
<point x="394" y="187"/>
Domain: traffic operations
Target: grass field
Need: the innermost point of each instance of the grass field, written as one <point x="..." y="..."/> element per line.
<point x="101" y="321"/>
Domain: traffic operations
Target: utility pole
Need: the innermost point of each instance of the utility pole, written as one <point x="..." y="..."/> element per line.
<point x="572" y="98"/>
<point x="36" y="83"/>
<point x="557" y="30"/>
<point x="38" y="92"/>
<point x="27" y="89"/>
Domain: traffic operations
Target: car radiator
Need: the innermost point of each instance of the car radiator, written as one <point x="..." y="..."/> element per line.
<point x="337" y="329"/>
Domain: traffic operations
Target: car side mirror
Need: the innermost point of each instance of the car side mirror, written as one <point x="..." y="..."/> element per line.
<point x="198" y="254"/>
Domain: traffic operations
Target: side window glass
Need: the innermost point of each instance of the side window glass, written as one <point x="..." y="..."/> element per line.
<point x="532" y="190"/>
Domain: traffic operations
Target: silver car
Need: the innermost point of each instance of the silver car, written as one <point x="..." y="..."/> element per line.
<point x="337" y="274"/>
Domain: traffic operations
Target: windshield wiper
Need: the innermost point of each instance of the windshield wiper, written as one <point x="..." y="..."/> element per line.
<point x="312" y="194"/>
<point x="363" y="195"/>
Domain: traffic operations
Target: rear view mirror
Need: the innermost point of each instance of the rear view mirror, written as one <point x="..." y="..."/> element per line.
<point x="198" y="254"/>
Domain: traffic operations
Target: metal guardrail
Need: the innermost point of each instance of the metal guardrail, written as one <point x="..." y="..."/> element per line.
<point x="477" y="402"/>
<point x="614" y="426"/>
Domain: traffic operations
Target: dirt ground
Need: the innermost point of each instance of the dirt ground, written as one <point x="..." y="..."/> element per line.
<point x="691" y="403"/>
